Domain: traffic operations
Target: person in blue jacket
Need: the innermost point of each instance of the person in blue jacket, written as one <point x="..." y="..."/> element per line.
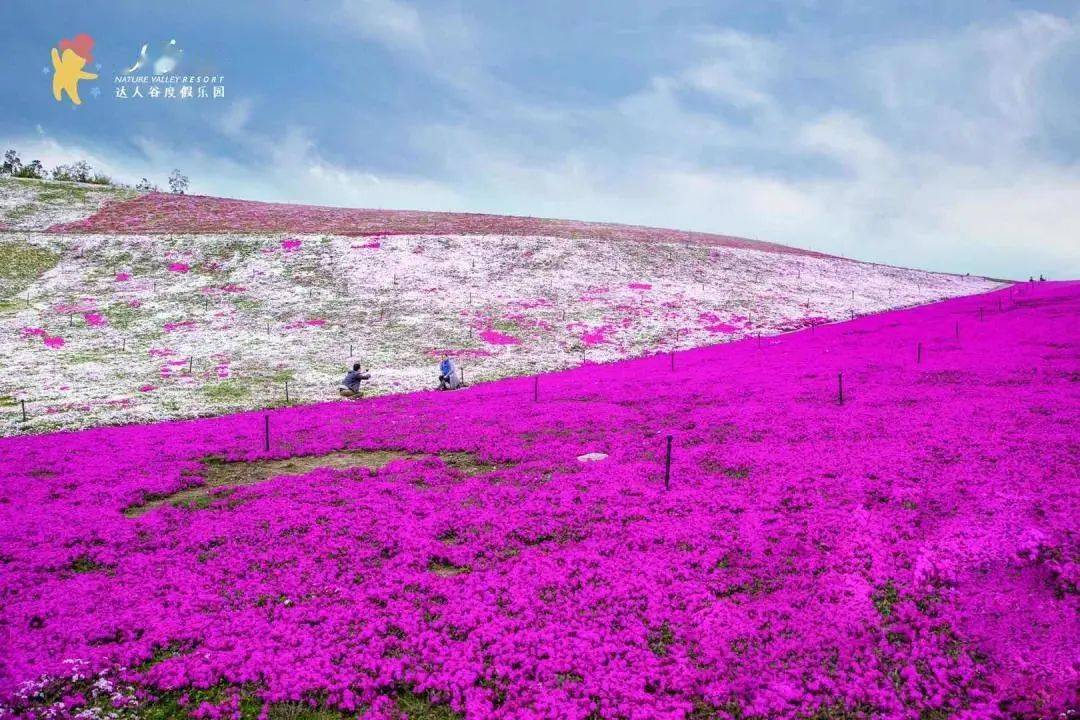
<point x="448" y="375"/>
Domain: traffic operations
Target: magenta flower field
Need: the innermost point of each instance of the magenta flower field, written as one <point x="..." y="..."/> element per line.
<point x="175" y="214"/>
<point x="909" y="551"/>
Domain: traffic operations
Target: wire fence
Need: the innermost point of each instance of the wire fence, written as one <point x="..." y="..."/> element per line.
<point x="269" y="390"/>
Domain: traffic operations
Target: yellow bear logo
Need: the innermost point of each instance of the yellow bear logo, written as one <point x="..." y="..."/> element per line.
<point x="68" y="63"/>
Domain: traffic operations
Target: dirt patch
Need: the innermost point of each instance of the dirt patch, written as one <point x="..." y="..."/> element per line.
<point x="467" y="463"/>
<point x="218" y="473"/>
<point x="445" y="568"/>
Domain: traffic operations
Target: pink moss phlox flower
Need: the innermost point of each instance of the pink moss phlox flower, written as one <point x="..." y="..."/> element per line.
<point x="910" y="552"/>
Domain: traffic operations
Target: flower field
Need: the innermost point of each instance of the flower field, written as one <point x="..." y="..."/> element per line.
<point x="905" y="549"/>
<point x="27" y="204"/>
<point x="110" y="320"/>
<point x="170" y="214"/>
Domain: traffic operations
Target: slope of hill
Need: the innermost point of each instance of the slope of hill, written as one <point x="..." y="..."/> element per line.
<point x="131" y="323"/>
<point x="27" y="204"/>
<point x="167" y="213"/>
<point x="907" y="550"/>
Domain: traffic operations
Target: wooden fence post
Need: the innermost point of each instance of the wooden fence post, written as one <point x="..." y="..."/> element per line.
<point x="667" y="465"/>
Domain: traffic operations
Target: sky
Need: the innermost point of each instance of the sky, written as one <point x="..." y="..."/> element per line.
<point x="942" y="135"/>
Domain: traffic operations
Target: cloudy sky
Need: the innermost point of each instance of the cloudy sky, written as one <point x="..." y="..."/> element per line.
<point x="942" y="134"/>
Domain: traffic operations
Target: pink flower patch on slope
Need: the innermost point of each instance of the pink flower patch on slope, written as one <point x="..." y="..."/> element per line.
<point x="94" y="319"/>
<point x="714" y="324"/>
<point x="593" y="293"/>
<point x="639" y="286"/>
<point x="291" y="245"/>
<point x="179" y="267"/>
<point x="596" y="336"/>
<point x="51" y="341"/>
<point x="84" y="305"/>
<point x="169" y="213"/>
<point x="222" y="362"/>
<point x="179" y="326"/>
<point x="494" y="337"/>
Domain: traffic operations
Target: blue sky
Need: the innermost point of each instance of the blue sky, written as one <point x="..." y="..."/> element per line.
<point x="939" y="134"/>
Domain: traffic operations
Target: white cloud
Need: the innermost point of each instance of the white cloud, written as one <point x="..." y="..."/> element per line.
<point x="736" y="67"/>
<point x="439" y="42"/>
<point x="236" y="117"/>
<point x="931" y="168"/>
<point x="393" y="24"/>
<point x="846" y="139"/>
<point x="975" y="92"/>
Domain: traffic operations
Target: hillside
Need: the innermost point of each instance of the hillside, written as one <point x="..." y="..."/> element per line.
<point x="167" y="213"/>
<point x="27" y="204"/>
<point x="905" y="550"/>
<point x="167" y="306"/>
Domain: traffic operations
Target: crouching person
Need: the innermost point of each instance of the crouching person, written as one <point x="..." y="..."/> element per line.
<point x="449" y="376"/>
<point x="350" y="385"/>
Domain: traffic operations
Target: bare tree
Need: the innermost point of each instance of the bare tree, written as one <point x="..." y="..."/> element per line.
<point x="178" y="182"/>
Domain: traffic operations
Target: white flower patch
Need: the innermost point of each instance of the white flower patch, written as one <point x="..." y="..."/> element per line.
<point x="133" y="328"/>
<point x="27" y="204"/>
